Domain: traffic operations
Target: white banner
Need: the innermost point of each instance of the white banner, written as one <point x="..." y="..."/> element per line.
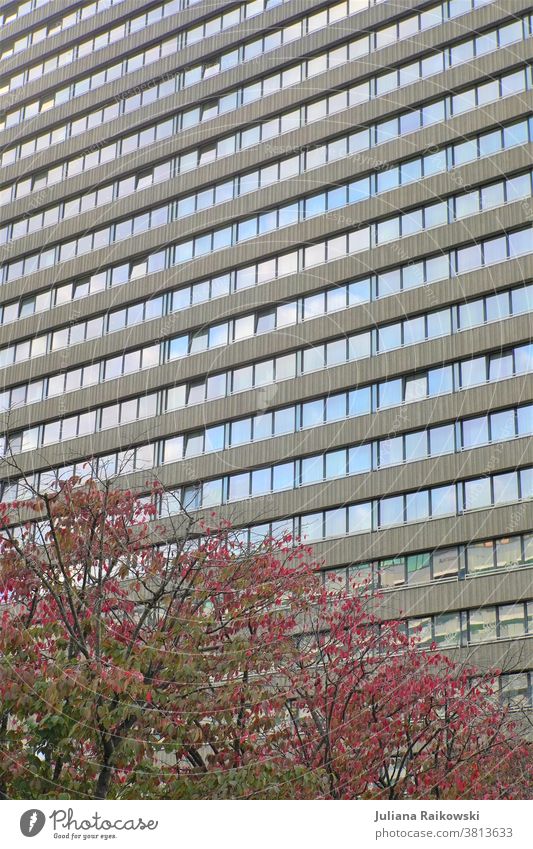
<point x="254" y="824"/>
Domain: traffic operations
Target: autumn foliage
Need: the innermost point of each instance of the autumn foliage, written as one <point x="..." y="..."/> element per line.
<point x="202" y="669"/>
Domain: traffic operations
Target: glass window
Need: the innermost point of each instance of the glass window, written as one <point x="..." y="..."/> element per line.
<point x="494" y="250"/>
<point x="336" y="463"/>
<point x="505" y="488"/>
<point x="468" y="258"/>
<point x="525" y="419"/>
<point x="415" y="388"/>
<point x="285" y="367"/>
<point x="314" y="305"/>
<point x="389" y="282"/>
<point x="479" y="557"/>
<point x="524" y="358"/>
<point x="519" y="242"/>
<point x="389" y="337"/>
<point x="360" y="459"/>
<point x="284" y="420"/>
<point x="359" y="401"/>
<point x="312" y="413"/>
<point x="511" y="620"/>
<point x="360" y="517"/>
<point x="414" y="330"/>
<point x="418" y="568"/>
<point x="390" y="451"/>
<point x="264" y="373"/>
<point x="440" y="380"/>
<point x="391" y="511"/>
<point x="490" y="143"/>
<point x="390" y="393"/>
<point x="392" y="572"/>
<point x="448" y="629"/>
<point x="421" y="630"/>
<point x="242" y="379"/>
<point x="312" y="469"/>
<point x="359" y="575"/>
<point x="241" y="432"/>
<point x="313" y="358"/>
<point x="482" y="624"/>
<point x="473" y="371"/>
<point x="518" y="187"/>
<point x="411" y="171"/>
<point x="442" y="440"/>
<point x="477" y="493"/>
<point x="522" y="299"/>
<point x="261" y="481"/>
<point x="515" y="134"/>
<point x="492" y="196"/>
<point x="500" y="366"/>
<point x="471" y="314"/>
<point x="416" y="446"/>
<point x="445" y="563"/>
<point x="475" y="432"/>
<point x="508" y="552"/>
<point x="178" y="347"/>
<point x="335" y="352"/>
<point x="515" y="690"/>
<point x="212" y="493"/>
<point x="335" y="407"/>
<point x="335" y="522"/>
<point x="311" y="527"/>
<point x="194" y="444"/>
<point x="443" y="500"/>
<point x="528" y="548"/>
<point x="239" y="486"/>
<point x="335" y="580"/>
<point x="262" y="426"/>
<point x="388" y="230"/>
<point x="464" y="152"/>
<point x="283" y="477"/>
<point x="497" y="306"/>
<point x="417" y="506"/>
<point x="502" y="425"/>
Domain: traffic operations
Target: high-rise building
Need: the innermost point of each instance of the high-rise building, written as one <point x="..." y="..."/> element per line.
<point x="279" y="253"/>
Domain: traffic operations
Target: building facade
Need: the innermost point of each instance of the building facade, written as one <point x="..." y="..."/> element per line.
<point x="279" y="254"/>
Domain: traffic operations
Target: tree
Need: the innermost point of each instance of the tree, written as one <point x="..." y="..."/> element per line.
<point x="200" y="668"/>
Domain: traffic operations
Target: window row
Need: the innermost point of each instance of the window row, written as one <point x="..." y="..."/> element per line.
<point x="502" y="138"/>
<point x="352" y="519"/>
<point x="431" y="215"/>
<point x="413" y="170"/>
<point x="345" y="146"/>
<point x="423" y="272"/>
<point x="18" y="10"/>
<point x="457" y="562"/>
<point x="376" y="514"/>
<point x="380" y="453"/>
<point x="317" y="110"/>
<point x="128" y="64"/>
<point x="140" y="22"/>
<point x="381" y="395"/>
<point x="104" y="38"/>
<point x="470" y="627"/>
<point x="401" y="29"/>
<point x="338" y="463"/>
<point x="516" y="690"/>
<point x="182" y="38"/>
<point x="362" y="46"/>
<point x="132" y="25"/>
<point x="363" y="238"/>
<point x="380" y="339"/>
